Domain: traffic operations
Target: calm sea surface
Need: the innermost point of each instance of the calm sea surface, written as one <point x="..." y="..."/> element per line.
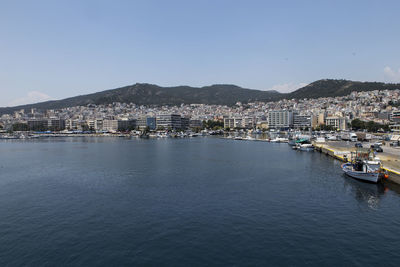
<point x="188" y="202"/>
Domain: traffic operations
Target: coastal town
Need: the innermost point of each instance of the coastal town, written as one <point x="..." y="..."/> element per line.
<point x="327" y="124"/>
<point x="378" y="110"/>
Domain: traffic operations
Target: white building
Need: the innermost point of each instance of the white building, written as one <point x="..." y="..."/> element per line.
<point x="110" y="125"/>
<point x="336" y="122"/>
<point x="280" y="119"/>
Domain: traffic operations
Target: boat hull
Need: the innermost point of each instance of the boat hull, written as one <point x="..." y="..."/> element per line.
<point x="372" y="177"/>
<point x="308" y="149"/>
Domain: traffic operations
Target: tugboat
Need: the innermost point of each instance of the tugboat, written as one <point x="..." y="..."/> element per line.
<point x="364" y="166"/>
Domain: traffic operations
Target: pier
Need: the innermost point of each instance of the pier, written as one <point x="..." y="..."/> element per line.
<point x="342" y="152"/>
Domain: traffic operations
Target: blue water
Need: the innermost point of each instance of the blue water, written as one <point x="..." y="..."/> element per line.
<point x="187" y="202"/>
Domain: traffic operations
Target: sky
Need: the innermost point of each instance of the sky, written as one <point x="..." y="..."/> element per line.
<point x="57" y="49"/>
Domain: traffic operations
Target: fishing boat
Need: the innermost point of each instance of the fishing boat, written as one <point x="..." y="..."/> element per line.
<point x="279" y="140"/>
<point x="364" y="166"/>
<point x="305" y="147"/>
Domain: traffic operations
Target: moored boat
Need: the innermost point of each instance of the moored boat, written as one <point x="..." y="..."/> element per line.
<point x="364" y="171"/>
<point x="364" y="166"/>
<point x="305" y="147"/>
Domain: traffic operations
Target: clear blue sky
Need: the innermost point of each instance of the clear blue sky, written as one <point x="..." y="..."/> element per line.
<point x="55" y="49"/>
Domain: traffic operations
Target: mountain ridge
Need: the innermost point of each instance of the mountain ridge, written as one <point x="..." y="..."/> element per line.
<point x="218" y="94"/>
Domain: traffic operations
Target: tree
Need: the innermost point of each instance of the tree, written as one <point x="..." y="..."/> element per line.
<point x="370" y="126"/>
<point x="20" y="127"/>
<point x="358" y="124"/>
<point x="212" y="124"/>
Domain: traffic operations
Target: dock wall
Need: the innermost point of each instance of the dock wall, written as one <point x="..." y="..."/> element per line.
<point x="394" y="176"/>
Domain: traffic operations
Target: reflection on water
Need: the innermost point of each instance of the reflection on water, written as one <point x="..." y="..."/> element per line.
<point x="365" y="193"/>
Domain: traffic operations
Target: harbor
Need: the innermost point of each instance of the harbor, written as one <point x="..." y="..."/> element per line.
<point x="227" y="193"/>
<point x="342" y="151"/>
<point x="339" y="148"/>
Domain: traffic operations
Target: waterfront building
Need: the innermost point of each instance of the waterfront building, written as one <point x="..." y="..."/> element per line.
<point x="302" y="121"/>
<point x="278" y="119"/>
<point x="321" y="118"/>
<point x="169" y="121"/>
<point x="151" y="123"/>
<point x="37" y="124"/>
<point x="98" y="125"/>
<point x="248" y="122"/>
<point x="185" y="123"/>
<point x="336" y="122"/>
<point x="196" y="123"/>
<point x="90" y="124"/>
<point x="110" y="125"/>
<point x="55" y="124"/>
<point x="229" y="123"/>
<point x="126" y="125"/>
<point x="144" y="122"/>
<point x="141" y="123"/>
<point x="395" y="116"/>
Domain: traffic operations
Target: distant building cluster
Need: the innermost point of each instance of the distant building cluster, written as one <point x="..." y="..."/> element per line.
<point x="333" y="112"/>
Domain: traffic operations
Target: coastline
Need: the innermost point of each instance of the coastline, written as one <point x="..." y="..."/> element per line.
<point x="335" y="150"/>
<point x="339" y="153"/>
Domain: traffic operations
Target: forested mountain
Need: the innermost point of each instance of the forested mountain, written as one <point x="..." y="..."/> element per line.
<point x="221" y="94"/>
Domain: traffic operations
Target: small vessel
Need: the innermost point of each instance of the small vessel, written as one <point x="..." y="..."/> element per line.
<point x="280" y="140"/>
<point x="305" y="147"/>
<point x="364" y="166"/>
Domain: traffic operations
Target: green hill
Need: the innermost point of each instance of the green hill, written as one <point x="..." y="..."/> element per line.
<point x="220" y="94"/>
<point x="149" y="94"/>
<point x="333" y="88"/>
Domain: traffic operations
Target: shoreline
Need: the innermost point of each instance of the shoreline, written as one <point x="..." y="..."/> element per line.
<point x="394" y="174"/>
<point x="337" y="152"/>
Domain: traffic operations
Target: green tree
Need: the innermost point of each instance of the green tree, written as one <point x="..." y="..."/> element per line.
<point x="358" y="124"/>
<point x="20" y="127"/>
<point x="212" y="124"/>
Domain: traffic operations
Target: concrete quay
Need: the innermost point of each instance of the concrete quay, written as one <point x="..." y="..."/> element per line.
<point x="340" y="150"/>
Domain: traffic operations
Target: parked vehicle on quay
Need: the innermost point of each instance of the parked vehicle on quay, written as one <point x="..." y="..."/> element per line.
<point x="331" y="137"/>
<point x="349" y="137"/>
<point x="376" y="148"/>
<point x="358" y="145"/>
<point x="364" y="136"/>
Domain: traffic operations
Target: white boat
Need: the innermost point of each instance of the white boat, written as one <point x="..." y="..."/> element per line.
<point x="305" y="147"/>
<point x="364" y="166"/>
<point x="365" y="170"/>
<point x="280" y="140"/>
